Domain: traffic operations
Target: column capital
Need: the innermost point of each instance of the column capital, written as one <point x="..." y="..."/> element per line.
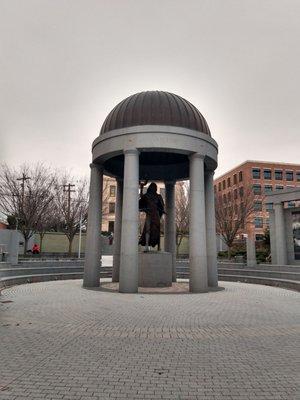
<point x="98" y="166"/>
<point x="196" y="155"/>
<point x="277" y="203"/>
<point x="170" y="182"/>
<point x="131" y="151"/>
<point x="209" y="172"/>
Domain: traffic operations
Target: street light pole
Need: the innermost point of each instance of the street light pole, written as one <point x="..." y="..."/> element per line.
<point x="79" y="241"/>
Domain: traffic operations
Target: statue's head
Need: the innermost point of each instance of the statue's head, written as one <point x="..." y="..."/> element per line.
<point x="152" y="188"/>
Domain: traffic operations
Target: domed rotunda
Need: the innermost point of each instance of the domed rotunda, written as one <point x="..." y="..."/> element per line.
<point x="153" y="136"/>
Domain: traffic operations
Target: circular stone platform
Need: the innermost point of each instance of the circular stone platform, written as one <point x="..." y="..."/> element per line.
<point x="59" y="341"/>
<point x="178" y="287"/>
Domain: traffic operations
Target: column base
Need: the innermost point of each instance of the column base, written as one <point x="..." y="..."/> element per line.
<point x="199" y="290"/>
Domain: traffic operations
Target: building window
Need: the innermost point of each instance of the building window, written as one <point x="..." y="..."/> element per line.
<point x="256" y="173"/>
<point x="257" y="206"/>
<point x="241" y="190"/>
<point x="289" y="175"/>
<point x="224" y="184"/>
<point x="235" y="194"/>
<point x="112" y="191"/>
<point x="111" y="208"/>
<point x="111" y="226"/>
<point x="220" y="186"/>
<point x="258" y="222"/>
<point x="224" y="198"/>
<point x="269" y="206"/>
<point x="215" y="188"/>
<point x="268" y="188"/>
<point x="234" y="179"/>
<point x="278" y="175"/>
<point x="291" y="204"/>
<point x="228" y="182"/>
<point x="298" y="176"/>
<point x="279" y="187"/>
<point x="268" y="222"/>
<point x="259" y="237"/>
<point x="256" y="189"/>
<point x="267" y="174"/>
<point x="240" y="176"/>
<point x="229" y="196"/>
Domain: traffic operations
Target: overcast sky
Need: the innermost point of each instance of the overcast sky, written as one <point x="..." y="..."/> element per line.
<point x="65" y="64"/>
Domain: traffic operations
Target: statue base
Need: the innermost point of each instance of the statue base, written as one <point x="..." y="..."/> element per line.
<point x="155" y="269"/>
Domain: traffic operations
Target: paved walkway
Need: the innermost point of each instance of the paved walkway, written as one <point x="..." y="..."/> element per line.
<point x="59" y="341"/>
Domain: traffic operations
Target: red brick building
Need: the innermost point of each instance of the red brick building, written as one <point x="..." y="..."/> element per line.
<point x="262" y="177"/>
<point x="3" y="221"/>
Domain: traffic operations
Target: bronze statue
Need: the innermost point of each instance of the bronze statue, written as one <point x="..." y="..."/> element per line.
<point x="152" y="204"/>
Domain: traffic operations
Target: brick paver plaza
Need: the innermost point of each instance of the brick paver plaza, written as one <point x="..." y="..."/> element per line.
<point x="59" y="341"/>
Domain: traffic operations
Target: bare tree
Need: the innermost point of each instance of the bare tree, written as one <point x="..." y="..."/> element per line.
<point x="26" y="194"/>
<point x="72" y="205"/>
<point x="233" y="214"/>
<point x="47" y="222"/>
<point x="182" y="211"/>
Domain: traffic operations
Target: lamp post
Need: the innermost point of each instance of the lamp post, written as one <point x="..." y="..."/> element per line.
<point x="79" y="240"/>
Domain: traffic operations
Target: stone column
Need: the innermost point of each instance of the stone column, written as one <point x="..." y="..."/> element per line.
<point x="281" y="253"/>
<point x="211" y="235"/>
<point x="130" y="222"/>
<point x="250" y="247"/>
<point x="117" y="232"/>
<point x="92" y="262"/>
<point x="197" y="237"/>
<point x="170" y="225"/>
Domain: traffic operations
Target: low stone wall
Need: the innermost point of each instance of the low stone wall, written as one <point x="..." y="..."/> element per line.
<point x="40" y="271"/>
<point x="287" y="276"/>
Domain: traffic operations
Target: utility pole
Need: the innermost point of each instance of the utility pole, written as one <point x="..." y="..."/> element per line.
<point x="23" y="179"/>
<point x="69" y="190"/>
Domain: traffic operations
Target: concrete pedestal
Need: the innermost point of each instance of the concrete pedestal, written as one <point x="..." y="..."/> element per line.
<point x="155" y="269"/>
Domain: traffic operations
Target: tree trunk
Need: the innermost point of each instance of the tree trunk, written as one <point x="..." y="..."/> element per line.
<point x="229" y="252"/>
<point x="178" y="243"/>
<point x="25" y="245"/>
<point x="41" y="240"/>
<point x="70" y="246"/>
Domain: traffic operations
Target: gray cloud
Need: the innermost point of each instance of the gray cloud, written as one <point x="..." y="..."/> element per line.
<point x="65" y="65"/>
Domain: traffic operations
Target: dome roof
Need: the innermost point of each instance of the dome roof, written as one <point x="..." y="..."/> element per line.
<point x="155" y="108"/>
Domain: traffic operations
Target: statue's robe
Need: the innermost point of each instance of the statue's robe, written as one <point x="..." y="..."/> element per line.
<point x="153" y="205"/>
